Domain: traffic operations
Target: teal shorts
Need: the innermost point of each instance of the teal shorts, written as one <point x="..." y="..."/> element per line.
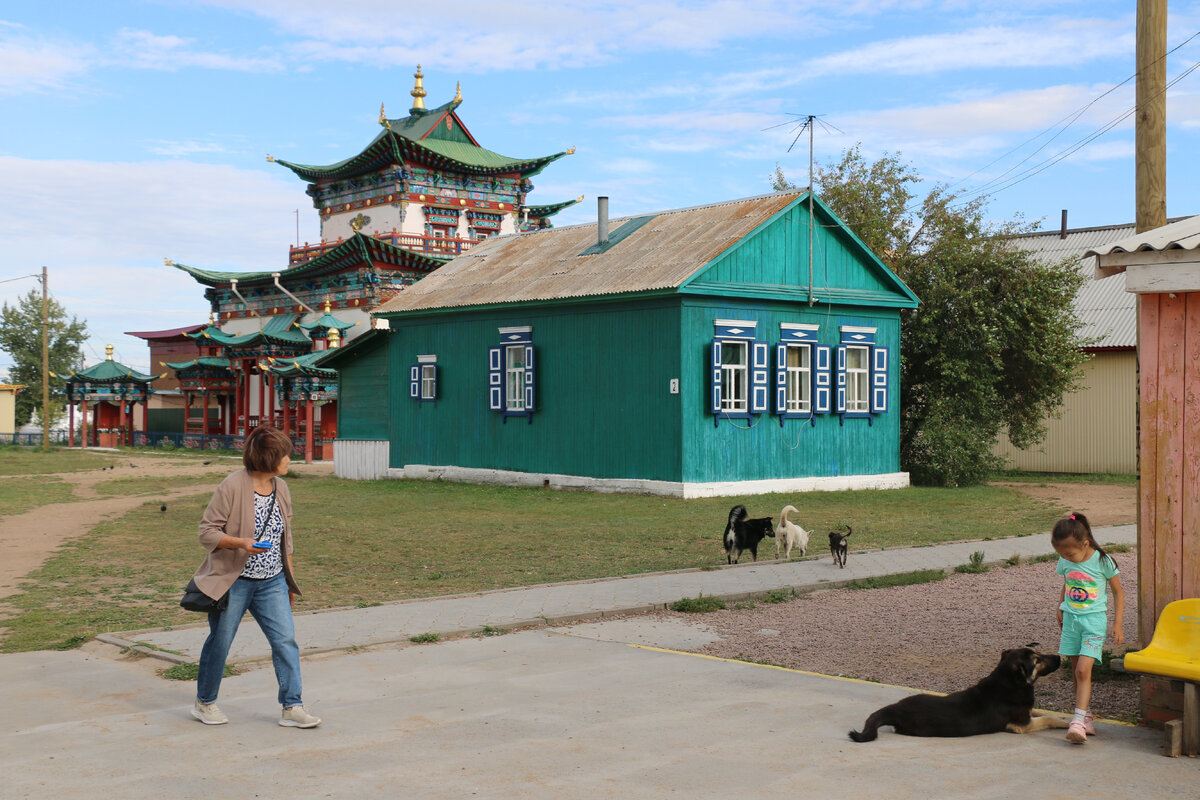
<point x="1084" y="635"/>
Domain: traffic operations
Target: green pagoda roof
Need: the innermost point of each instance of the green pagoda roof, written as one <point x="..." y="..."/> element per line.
<point x="203" y="361"/>
<point x="357" y="249"/>
<point x="552" y="208"/>
<point x="109" y="371"/>
<point x="325" y="322"/>
<point x="435" y="137"/>
<point x="279" y="330"/>
<point x="306" y="364"/>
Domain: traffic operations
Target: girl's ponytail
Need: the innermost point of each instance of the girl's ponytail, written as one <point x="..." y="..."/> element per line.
<point x="1076" y="527"/>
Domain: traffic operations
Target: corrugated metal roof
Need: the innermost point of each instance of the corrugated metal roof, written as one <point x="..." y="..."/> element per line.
<point x="1181" y="234"/>
<point x="548" y="265"/>
<point x="1107" y="311"/>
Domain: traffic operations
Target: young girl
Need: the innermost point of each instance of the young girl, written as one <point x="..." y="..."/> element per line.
<point x="1089" y="574"/>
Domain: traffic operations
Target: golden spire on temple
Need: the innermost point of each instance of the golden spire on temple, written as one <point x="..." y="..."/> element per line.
<point x="383" y="120"/>
<point x="334" y="338"/>
<point x="418" y="91"/>
<point x="458" y="92"/>
<point x="326" y="304"/>
<point x="108" y="348"/>
<point x="211" y="322"/>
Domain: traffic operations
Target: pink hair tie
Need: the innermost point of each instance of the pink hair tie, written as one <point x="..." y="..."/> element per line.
<point x="1072" y="516"/>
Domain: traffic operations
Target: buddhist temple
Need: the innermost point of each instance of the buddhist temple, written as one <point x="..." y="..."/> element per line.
<point x="420" y="193"/>
<point x="107" y="394"/>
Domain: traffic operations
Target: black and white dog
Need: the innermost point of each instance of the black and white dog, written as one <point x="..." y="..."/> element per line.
<point x="839" y="546"/>
<point x="744" y="534"/>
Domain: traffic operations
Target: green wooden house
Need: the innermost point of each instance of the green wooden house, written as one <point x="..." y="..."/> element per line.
<point x="695" y="352"/>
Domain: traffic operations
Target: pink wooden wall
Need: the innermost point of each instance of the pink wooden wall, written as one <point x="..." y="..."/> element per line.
<point x="1169" y="512"/>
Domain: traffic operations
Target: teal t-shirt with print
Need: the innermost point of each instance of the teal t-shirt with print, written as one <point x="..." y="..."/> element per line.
<point x="1087" y="583"/>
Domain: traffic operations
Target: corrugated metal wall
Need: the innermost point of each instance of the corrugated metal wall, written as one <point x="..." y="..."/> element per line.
<point x="1097" y="431"/>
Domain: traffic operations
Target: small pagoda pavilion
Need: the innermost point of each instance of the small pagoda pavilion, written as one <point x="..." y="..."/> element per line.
<point x="420" y="193"/>
<point x="107" y="394"/>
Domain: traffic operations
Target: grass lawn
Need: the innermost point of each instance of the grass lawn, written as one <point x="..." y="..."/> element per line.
<point x="35" y="461"/>
<point x="18" y="495"/>
<point x="367" y="542"/>
<point x="124" y="486"/>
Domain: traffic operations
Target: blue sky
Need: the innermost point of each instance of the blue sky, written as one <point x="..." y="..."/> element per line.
<point x="136" y="131"/>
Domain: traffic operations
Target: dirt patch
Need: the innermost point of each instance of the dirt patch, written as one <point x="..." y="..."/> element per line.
<point x="1104" y="504"/>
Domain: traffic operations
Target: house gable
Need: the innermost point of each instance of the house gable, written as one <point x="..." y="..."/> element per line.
<point x="772" y="262"/>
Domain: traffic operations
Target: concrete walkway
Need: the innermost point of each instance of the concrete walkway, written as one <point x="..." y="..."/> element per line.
<point x="551" y="604"/>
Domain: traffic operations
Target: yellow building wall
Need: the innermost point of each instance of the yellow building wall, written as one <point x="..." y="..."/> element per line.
<point x="1097" y="431"/>
<point x="8" y="408"/>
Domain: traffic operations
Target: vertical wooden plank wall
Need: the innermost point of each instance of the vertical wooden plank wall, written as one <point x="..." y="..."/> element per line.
<point x="1169" y="537"/>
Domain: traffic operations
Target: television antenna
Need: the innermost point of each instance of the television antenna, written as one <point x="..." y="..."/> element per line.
<point x="802" y="123"/>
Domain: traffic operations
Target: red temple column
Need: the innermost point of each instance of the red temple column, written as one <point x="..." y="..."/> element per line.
<point x="308" y="429"/>
<point x="271" y="395"/>
<point x="70" y="424"/>
<point x="146" y="417"/>
<point x="83" y="422"/>
<point x="120" y="420"/>
<point x="286" y="409"/>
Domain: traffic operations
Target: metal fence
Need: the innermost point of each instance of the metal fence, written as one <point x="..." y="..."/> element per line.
<point x="32" y="439"/>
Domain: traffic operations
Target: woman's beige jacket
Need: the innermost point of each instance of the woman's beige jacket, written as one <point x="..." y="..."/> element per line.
<point x="231" y="513"/>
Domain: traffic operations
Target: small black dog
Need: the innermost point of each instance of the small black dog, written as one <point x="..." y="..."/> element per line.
<point x="1003" y="701"/>
<point x="744" y="534"/>
<point x="839" y="546"/>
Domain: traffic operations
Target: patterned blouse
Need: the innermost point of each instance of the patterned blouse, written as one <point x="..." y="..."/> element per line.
<point x="269" y="563"/>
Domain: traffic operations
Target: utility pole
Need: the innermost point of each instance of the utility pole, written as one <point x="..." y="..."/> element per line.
<point x="1150" y="135"/>
<point x="45" y="362"/>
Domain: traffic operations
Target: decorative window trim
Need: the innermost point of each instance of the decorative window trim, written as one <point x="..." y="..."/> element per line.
<point x="423" y="379"/>
<point x="511" y="390"/>
<point x="755" y="381"/>
<point x="875" y="391"/>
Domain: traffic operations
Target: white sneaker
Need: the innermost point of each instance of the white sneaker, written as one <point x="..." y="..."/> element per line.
<point x="208" y="713"/>
<point x="297" y="717"/>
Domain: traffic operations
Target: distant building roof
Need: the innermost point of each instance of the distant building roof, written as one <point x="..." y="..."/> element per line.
<point x="172" y="333"/>
<point x="1107" y="311"/>
<point x="1182" y="233"/>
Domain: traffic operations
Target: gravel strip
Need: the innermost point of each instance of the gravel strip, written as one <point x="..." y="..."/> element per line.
<point x="940" y="636"/>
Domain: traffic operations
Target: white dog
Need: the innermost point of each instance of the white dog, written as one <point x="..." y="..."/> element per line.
<point x="789" y="534"/>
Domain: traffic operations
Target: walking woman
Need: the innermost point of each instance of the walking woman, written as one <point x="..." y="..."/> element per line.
<point x="247" y="531"/>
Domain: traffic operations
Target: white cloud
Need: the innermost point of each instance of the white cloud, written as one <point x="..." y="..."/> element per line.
<point x="145" y="50"/>
<point x="31" y="64"/>
<point x="104" y="241"/>
<point x="180" y="149"/>
<point x="1065" y="43"/>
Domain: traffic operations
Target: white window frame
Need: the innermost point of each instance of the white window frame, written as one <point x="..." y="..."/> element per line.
<point x="514" y="378"/>
<point x="735" y="377"/>
<point x="428" y="381"/>
<point x="858" y="380"/>
<point x="799" y="381"/>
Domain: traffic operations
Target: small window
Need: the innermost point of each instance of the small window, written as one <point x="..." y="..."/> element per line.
<point x="733" y="377"/>
<point x="423" y="379"/>
<point x="428" y="381"/>
<point x="514" y="377"/>
<point x="857" y="379"/>
<point x="799" y="379"/>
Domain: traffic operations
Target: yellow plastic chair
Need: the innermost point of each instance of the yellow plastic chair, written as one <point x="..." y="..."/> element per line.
<point x="1174" y="652"/>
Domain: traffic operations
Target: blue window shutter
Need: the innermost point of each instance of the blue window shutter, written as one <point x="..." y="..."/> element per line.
<point x="781" y="379"/>
<point x="495" y="379"/>
<point x="840" y="404"/>
<point x="529" y="374"/>
<point x="822" y="379"/>
<point x="715" y="368"/>
<point x="414" y="381"/>
<point x="879" y="380"/>
<point x="760" y="378"/>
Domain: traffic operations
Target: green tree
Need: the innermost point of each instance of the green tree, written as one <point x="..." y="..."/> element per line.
<point x="21" y="338"/>
<point x="994" y="344"/>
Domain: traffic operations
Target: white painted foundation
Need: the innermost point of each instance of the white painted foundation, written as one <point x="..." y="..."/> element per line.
<point x="892" y="480"/>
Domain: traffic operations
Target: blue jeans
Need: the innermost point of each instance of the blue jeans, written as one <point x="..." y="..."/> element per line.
<point x="267" y="601"/>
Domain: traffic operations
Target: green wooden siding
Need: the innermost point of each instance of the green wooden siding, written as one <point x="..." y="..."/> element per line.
<point x="363" y="392"/>
<point x="777" y="255"/>
<point x="759" y="448"/>
<point x="603" y="407"/>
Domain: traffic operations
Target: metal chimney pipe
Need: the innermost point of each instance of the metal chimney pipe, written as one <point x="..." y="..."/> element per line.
<point x="602" y="225"/>
<point x="1062" y="234"/>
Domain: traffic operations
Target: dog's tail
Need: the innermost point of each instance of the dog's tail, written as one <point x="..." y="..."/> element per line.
<point x="870" y="730"/>
<point x="737" y="514"/>
<point x="783" y="515"/>
<point x="849" y="531"/>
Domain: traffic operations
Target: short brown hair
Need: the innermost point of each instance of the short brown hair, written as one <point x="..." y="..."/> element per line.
<point x="265" y="448"/>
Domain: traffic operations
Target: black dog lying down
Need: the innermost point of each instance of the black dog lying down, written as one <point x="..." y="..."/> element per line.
<point x="744" y="534"/>
<point x="1003" y="701"/>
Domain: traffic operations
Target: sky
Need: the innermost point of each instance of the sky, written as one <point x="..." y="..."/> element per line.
<point x="133" y="131"/>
